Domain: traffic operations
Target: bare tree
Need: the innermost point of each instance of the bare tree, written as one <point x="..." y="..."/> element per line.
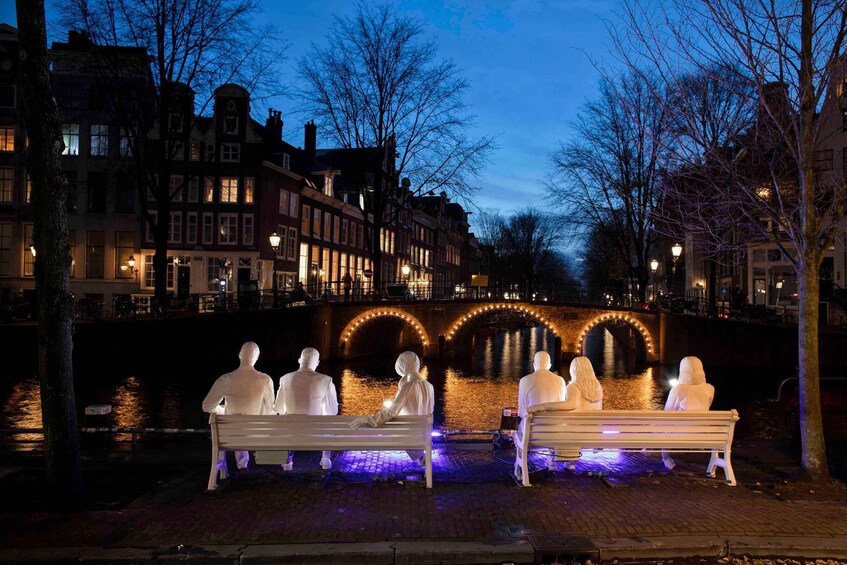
<point x="379" y="84"/>
<point x="608" y="178"/>
<point x="529" y="243"/>
<point x="55" y="301"/>
<point x="791" y="52"/>
<point x="194" y="46"/>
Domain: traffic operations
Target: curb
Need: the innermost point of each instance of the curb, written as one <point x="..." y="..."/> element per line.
<point x="513" y="552"/>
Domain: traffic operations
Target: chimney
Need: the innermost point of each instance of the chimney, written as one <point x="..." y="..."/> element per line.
<point x="310" y="142"/>
<point x="274" y="125"/>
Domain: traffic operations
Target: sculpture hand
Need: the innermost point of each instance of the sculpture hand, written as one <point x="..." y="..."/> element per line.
<point x="359" y="422"/>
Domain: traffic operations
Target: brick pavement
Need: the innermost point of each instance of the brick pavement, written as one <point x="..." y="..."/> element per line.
<point x="379" y="497"/>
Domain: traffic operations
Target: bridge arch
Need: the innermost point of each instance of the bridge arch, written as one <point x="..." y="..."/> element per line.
<point x="617" y="317"/>
<point x="359" y="321"/>
<point x="489" y="308"/>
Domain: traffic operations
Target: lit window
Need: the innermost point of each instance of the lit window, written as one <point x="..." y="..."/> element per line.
<point x="292" y="244"/>
<point x="328" y="185"/>
<point x="209" y="189"/>
<point x="123" y="251"/>
<point x="283" y="201"/>
<point x="304" y="220"/>
<point x="5" y="250"/>
<point x="7" y="138"/>
<point x="29" y="260"/>
<point x="248" y="190"/>
<point x="70" y="135"/>
<point x="229" y="189"/>
<point x="99" y="140"/>
<point x="292" y="208"/>
<point x="28" y="195"/>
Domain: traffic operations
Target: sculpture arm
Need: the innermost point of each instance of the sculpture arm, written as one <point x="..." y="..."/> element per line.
<point x="331" y="400"/>
<point x="216" y="394"/>
<point x="379" y="418"/>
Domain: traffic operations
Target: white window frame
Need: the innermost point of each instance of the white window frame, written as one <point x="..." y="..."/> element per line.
<point x="291" y="248"/>
<point x="227" y="229"/>
<point x="175" y="228"/>
<point x="191" y="227"/>
<point x="98" y="141"/>
<point x="208" y="229"/>
<point x="70" y="136"/>
<point x="247" y="229"/>
<point x="228" y="194"/>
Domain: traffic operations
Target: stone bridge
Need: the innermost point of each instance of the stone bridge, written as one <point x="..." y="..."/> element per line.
<point x="445" y="329"/>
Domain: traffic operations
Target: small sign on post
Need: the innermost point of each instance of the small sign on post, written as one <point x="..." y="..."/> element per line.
<point x="368" y="273"/>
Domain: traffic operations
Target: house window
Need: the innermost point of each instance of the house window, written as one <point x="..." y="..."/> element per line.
<point x="99" y="140"/>
<point x="293" y="205"/>
<point x="28" y="195"/>
<point x="125" y="194"/>
<point x="823" y="160"/>
<point x="124" y="145"/>
<point x="7" y="96"/>
<point x="247" y="237"/>
<point x="29" y="260"/>
<point x="70" y="135"/>
<point x="335" y="229"/>
<point x="7" y="138"/>
<point x="94" y="254"/>
<point x="208" y="189"/>
<point x="328" y="185"/>
<point x="175" y="188"/>
<point x="191" y="229"/>
<point x="249" y="185"/>
<point x="286" y="161"/>
<point x="97" y="192"/>
<point x="361" y="237"/>
<point x="327" y="226"/>
<point x="304" y="220"/>
<point x="344" y="232"/>
<point x="149" y="278"/>
<point x="228" y="229"/>
<point x="316" y="223"/>
<point x="230" y="152"/>
<point x="292" y="244"/>
<point x="175" y="122"/>
<point x="6" y="181"/>
<point x="5" y="250"/>
<point x="195" y="151"/>
<point x="230" y="124"/>
<point x="193" y="189"/>
<point x="123" y="251"/>
<point x="229" y="189"/>
<point x="207" y="229"/>
<point x="283" y="201"/>
<point x="175" y="228"/>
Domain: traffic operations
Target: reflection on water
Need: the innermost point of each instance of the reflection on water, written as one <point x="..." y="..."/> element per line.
<point x="469" y="394"/>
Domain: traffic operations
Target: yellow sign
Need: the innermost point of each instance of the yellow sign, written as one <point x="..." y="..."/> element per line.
<point x="479" y="280"/>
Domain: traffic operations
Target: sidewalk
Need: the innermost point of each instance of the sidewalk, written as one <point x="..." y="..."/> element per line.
<point x="374" y="508"/>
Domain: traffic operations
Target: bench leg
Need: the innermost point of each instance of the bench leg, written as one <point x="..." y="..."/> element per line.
<point x="213" y="475"/>
<point x="725" y="463"/>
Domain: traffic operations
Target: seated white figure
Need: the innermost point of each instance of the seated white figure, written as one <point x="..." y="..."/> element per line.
<point x="307" y="392"/>
<point x="243" y="391"/>
<point x="539" y="387"/>
<point x="415" y="397"/>
<point x="691" y="392"/>
<point x="584" y="392"/>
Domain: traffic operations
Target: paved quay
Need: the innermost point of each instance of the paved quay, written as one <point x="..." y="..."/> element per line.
<point x="374" y="508"/>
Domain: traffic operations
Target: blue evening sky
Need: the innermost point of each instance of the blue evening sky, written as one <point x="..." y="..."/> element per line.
<point x="529" y="64"/>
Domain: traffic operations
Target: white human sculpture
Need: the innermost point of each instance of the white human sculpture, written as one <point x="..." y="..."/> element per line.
<point x="307" y="392"/>
<point x="415" y="397"/>
<point x="691" y="392"/>
<point x="243" y="391"/>
<point x="540" y="387"/>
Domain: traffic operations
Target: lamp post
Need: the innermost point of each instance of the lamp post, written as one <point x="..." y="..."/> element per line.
<point x="778" y="290"/>
<point x="676" y="251"/>
<point x="274" y="241"/>
<point x="654" y="266"/>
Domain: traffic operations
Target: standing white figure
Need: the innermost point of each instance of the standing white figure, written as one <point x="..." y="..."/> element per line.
<point x="307" y="392"/>
<point x="691" y="392"/>
<point x="243" y="391"/>
<point x="539" y="387"/>
<point x="415" y="397"/>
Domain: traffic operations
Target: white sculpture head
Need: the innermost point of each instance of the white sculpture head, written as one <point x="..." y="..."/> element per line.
<point x="691" y="371"/>
<point x="582" y="375"/>
<point x="407" y="364"/>
<point x="309" y="359"/>
<point x="541" y="361"/>
<point x="249" y="354"/>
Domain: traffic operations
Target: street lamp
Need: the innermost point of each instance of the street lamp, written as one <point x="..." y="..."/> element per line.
<point x="274" y="241"/>
<point x="654" y="266"/>
<point x="405" y="269"/>
<point x="131" y="264"/>
<point x="676" y="251"/>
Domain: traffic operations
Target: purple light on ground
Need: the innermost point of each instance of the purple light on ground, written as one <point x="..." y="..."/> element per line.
<point x="605" y="455"/>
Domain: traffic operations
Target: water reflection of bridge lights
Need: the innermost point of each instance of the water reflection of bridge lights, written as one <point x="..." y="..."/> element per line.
<point x="606" y="318"/>
<point x="492" y="308"/>
<point x="363" y="319"/>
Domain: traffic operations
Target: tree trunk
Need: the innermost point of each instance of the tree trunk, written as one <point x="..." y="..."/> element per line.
<point x="811" y="421"/>
<point x="55" y="301"/>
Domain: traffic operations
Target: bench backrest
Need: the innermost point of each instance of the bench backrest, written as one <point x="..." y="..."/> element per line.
<point x="305" y="433"/>
<point x="633" y="429"/>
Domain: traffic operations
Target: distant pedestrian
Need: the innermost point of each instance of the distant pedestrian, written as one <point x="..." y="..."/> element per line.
<point x="348" y="286"/>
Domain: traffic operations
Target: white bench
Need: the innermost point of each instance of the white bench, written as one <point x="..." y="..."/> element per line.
<point x="314" y="433"/>
<point x="570" y="432"/>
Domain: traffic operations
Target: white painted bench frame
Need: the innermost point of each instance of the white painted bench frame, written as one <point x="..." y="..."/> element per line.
<point x="569" y="432"/>
<point x="314" y="433"/>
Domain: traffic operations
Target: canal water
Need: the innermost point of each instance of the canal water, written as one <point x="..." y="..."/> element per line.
<point x="470" y="393"/>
